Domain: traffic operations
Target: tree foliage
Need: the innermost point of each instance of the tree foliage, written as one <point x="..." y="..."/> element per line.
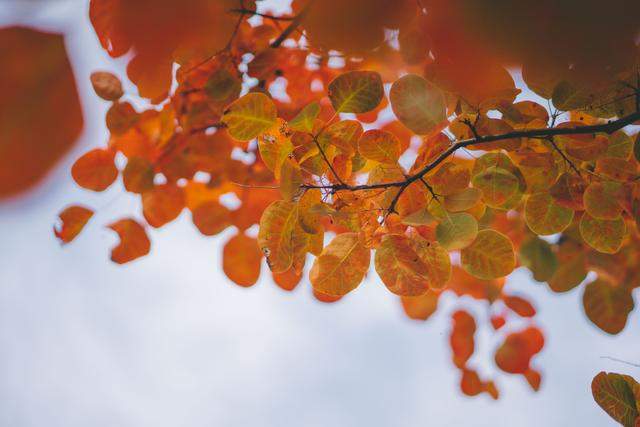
<point x="392" y="127"/>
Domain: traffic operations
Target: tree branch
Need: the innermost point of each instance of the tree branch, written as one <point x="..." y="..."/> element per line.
<point x="545" y="133"/>
<point x="297" y="20"/>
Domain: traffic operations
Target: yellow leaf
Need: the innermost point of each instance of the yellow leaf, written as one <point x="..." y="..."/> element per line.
<point x="545" y="216"/>
<point x="305" y="119"/>
<point x="457" y="231"/>
<point x="490" y="256"/>
<point x="497" y="184"/>
<point x="276" y="235"/>
<point x="603" y="235"/>
<point x="290" y="179"/>
<point x="341" y="266"/>
<point x="249" y="116"/>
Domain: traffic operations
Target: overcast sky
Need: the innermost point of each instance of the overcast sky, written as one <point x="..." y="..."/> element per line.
<point x="167" y="341"/>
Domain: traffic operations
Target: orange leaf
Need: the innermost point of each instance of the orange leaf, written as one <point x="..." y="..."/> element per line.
<point x="134" y="242"/>
<point x="73" y="219"/>
<point x="162" y="204"/>
<point x="95" y="170"/>
<point x="241" y="260"/>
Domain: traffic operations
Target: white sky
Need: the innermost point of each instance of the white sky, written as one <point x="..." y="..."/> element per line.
<point x="168" y="341"/>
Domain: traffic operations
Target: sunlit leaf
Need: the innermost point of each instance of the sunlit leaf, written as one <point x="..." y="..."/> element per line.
<point x="250" y="116"/>
<point x="305" y="119"/>
<point x="490" y="256"/>
<point x="341" y="266"/>
<point x="545" y="216"/>
<point x="515" y="353"/>
<point x="420" y="307"/>
<point x="603" y="235"/>
<point x="276" y="236"/>
<point x="497" y="185"/>
<point x="457" y="231"/>
<point x="379" y="146"/>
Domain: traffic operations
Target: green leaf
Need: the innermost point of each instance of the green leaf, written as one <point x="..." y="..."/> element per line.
<point x="305" y="119"/>
<point x="537" y="256"/>
<point x="249" y="116"/>
<point x="356" y="92"/>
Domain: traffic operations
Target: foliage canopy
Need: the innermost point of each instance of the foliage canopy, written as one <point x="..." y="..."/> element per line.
<point x="393" y="127"/>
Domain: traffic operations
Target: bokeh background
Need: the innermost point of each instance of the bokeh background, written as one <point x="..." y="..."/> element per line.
<point x="169" y="341"/>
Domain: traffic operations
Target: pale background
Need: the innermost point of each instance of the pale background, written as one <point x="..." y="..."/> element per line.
<point x="168" y="341"/>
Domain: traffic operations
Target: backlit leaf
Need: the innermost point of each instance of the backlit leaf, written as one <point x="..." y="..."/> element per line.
<point x="379" y="146"/>
<point x="603" y="235"/>
<point x="545" y="216"/>
<point x="276" y="236"/>
<point x="457" y="231"/>
<point x="490" y="256"/>
<point x="305" y="119"/>
<point x="341" y="266"/>
<point x="356" y="92"/>
<point x="601" y="200"/>
<point x="497" y="184"/>
<point x="249" y="116"/>
<point x="418" y="104"/>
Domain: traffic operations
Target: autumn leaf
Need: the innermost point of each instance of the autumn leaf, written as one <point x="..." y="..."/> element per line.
<point x="95" y="170"/>
<point x="241" y="259"/>
<point x="250" y="116"/>
<point x="490" y="256"/>
<point x="356" y="92"/>
<point x="457" y="231"/>
<point x="615" y="396"/>
<point x="134" y="242"/>
<point x="73" y="220"/>
<point x="276" y="237"/>
<point x="379" y="146"/>
<point x="607" y="305"/>
<point x="341" y="266"/>
<point x="418" y="104"/>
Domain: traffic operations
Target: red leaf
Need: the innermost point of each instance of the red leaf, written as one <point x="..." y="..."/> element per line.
<point x="134" y="242"/>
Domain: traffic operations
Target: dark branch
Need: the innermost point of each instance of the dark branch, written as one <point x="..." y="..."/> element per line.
<point x="297" y="20"/>
<point x="609" y="127"/>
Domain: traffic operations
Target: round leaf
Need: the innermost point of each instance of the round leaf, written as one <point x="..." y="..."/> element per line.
<point x="417" y="103"/>
<point x="490" y="256"/>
